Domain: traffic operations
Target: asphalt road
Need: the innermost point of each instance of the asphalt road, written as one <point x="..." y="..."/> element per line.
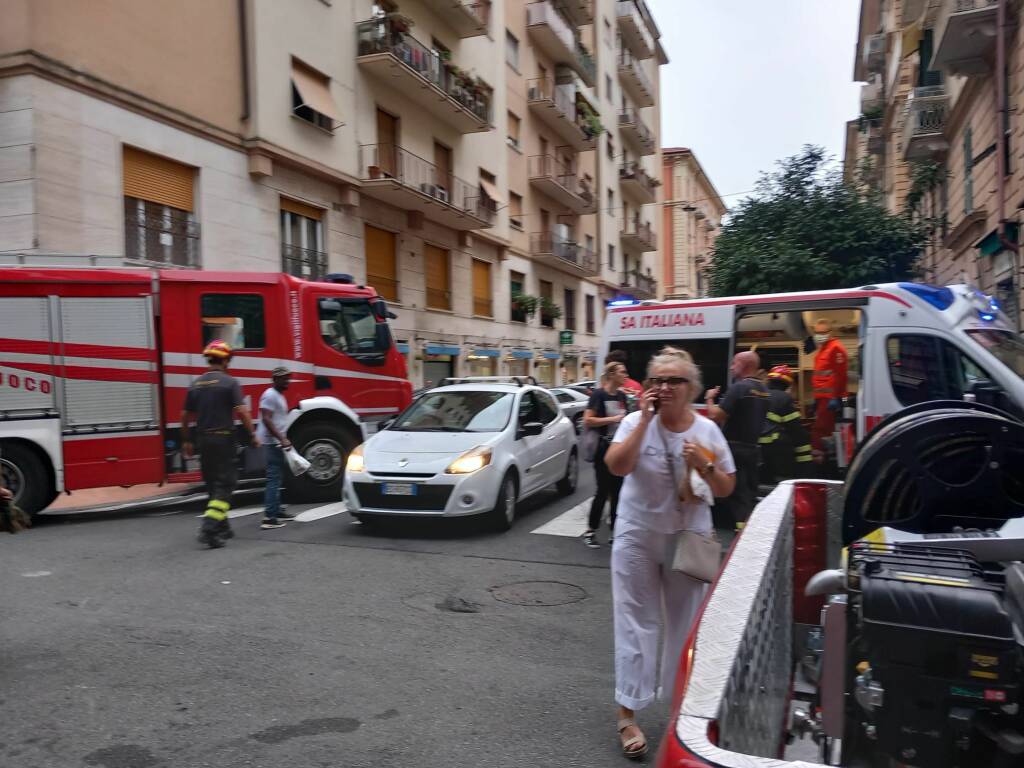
<point x="124" y="644"/>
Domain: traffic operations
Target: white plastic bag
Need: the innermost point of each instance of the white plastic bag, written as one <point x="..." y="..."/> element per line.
<point x="296" y="463"/>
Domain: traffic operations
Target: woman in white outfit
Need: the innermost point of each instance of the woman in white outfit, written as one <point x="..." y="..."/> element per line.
<point x="646" y="593"/>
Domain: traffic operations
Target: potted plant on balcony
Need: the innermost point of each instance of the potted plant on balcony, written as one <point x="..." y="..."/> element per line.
<point x="400" y="23"/>
<point x="549" y="311"/>
<point x="524" y="303"/>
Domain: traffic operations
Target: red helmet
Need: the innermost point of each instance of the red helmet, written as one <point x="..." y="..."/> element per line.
<point x="781" y="372"/>
<point x="218" y="349"/>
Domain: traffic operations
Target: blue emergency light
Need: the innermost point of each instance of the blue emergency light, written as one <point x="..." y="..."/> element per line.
<point x="940" y="298"/>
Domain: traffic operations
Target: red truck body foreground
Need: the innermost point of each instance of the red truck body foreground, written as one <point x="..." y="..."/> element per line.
<point x="95" y="364"/>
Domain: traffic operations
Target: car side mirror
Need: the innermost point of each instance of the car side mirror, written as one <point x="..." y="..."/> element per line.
<point x="530" y="429"/>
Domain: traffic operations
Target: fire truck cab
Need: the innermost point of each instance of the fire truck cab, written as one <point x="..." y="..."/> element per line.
<point x="95" y="364"/>
<point x="907" y="343"/>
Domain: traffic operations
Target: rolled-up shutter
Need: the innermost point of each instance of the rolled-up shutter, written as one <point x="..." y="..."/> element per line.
<point x="158" y="180"/>
<point x="482" y="290"/>
<point x="381" y="262"/>
<point x="435" y="262"/>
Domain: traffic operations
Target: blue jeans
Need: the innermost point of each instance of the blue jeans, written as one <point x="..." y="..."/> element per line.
<point x="275" y="470"/>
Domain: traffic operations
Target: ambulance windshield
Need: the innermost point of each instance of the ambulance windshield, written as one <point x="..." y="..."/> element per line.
<point x="1004" y="346"/>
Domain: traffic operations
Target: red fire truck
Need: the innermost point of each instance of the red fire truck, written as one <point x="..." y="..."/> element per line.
<point x="95" y="363"/>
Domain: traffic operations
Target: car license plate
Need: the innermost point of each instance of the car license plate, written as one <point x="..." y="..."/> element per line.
<point x="398" y="489"/>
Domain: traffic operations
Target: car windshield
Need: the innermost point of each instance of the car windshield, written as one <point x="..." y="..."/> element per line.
<point x="457" y="412"/>
<point x="1004" y="346"/>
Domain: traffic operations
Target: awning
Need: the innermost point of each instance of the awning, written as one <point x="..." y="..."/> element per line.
<point x="990" y="244"/>
<point x="490" y="190"/>
<point x="441" y="349"/>
<point x="551" y="355"/>
<point x="402" y="347"/>
<point x="485" y="352"/>
<point x="314" y="92"/>
<point x="521" y="354"/>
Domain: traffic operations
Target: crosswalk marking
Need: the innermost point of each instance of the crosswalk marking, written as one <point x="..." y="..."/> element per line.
<point x="318" y="513"/>
<point x="572" y="522"/>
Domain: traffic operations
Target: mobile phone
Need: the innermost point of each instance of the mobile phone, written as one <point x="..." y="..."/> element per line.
<point x="655" y="404"/>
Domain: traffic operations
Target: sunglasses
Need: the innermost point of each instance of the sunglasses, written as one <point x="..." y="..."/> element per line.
<point x="672" y="381"/>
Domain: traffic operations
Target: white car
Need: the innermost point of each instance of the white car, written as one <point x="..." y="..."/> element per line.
<point x="464" y="449"/>
<point x="572" y="403"/>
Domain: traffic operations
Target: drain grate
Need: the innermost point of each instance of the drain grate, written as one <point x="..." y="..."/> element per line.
<point x="538" y="593"/>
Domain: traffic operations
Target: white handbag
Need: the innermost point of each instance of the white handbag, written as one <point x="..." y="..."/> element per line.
<point x="296" y="461"/>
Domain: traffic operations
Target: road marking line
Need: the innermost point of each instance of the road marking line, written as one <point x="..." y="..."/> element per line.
<point x="318" y="513"/>
<point x="572" y="522"/>
<point x="241" y="512"/>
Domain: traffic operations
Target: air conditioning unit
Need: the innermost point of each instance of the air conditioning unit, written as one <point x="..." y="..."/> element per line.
<point x="441" y="193"/>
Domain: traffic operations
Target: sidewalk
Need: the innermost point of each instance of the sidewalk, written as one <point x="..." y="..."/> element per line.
<point x="83" y="501"/>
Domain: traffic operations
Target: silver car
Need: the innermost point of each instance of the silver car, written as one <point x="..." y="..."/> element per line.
<point x="573" y="403"/>
<point x="465" y="449"/>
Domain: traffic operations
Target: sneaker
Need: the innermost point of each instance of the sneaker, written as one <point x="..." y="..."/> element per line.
<point x="282" y="515"/>
<point x="268" y="524"/>
<point x="590" y="539"/>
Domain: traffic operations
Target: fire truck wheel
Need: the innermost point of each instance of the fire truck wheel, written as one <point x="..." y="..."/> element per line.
<point x="25" y="475"/>
<point x="326" y="448"/>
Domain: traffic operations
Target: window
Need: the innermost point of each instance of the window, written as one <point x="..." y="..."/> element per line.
<point x="236" y="318"/>
<point x="381" y="262"/>
<point x="968" y="172"/>
<point x="589" y="303"/>
<point x="516" y="281"/>
<point x="538" y="407"/>
<point x="513" y="130"/>
<point x="570" y="309"/>
<point x="546" y="293"/>
<point x="489" y="192"/>
<point x="611" y="256"/>
<point x="482" y="303"/>
<point x="438" y="271"/>
<point x="311" y="97"/>
<point x="457" y="412"/>
<point x="515" y="211"/>
<point x="923" y="368"/>
<point x="159" y="223"/>
<point x="611" y="201"/>
<point x="608" y="88"/>
<point x="511" y="50"/>
<point x="610" y="146"/>
<point x="302" y="246"/>
<point x="349" y="326"/>
<point x="589" y="243"/>
<point x="927" y="76"/>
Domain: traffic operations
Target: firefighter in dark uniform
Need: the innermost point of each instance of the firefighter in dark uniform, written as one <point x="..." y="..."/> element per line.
<point x="785" y="446"/>
<point x="213" y="401"/>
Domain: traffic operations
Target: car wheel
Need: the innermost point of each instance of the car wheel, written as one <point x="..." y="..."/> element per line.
<point x="25" y="475"/>
<point x="326" y="448"/>
<point x="504" y="511"/>
<point x="567" y="484"/>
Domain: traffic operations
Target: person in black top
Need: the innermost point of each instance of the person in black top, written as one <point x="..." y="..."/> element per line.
<point x="212" y="402"/>
<point x="607" y="407"/>
<point x="742" y="414"/>
<point x="785" y="446"/>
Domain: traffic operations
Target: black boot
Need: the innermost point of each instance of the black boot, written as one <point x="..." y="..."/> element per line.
<point x="209" y="533"/>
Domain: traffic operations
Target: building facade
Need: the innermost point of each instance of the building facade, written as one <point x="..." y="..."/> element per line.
<point x="692" y="212"/>
<point x="940" y="138"/>
<point x="490" y="167"/>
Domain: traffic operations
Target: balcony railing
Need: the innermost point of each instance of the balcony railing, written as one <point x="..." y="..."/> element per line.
<point x="388" y="36"/>
<point x="578" y="12"/>
<point x="965" y="36"/>
<point x="543" y="14"/>
<point x="568" y="252"/>
<point x="555" y="36"/>
<point x="639" y="235"/>
<point x="468" y="18"/>
<point x="635" y="80"/>
<point x="558" y="106"/>
<point x="925" y="121"/>
<point x="159" y="234"/>
<point x="585" y="65"/>
<point x="635" y="179"/>
<point x="303" y="262"/>
<point x="421" y="185"/>
<point x="633" y="128"/>
<point x="560" y="182"/>
<point x="874" y="53"/>
<point x="644" y="286"/>
<point x="633" y="28"/>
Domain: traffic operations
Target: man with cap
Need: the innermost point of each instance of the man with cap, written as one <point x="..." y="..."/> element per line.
<point x="213" y="401"/>
<point x="271" y="432"/>
<point x="785" y="448"/>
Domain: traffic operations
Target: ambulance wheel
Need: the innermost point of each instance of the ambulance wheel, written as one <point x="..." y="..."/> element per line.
<point x="326" y="448"/>
<point x="26" y="476"/>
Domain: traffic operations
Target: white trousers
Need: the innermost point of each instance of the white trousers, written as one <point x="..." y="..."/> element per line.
<point x="648" y="596"/>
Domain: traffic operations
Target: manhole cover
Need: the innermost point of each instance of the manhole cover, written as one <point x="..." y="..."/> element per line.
<point x="538" y="593"/>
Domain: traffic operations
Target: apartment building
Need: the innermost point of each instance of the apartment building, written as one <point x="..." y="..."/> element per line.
<point x="939" y="136"/>
<point x="692" y="212"/>
<point x="454" y="154"/>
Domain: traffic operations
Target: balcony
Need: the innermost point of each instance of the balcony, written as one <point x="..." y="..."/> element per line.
<point x="874" y="53"/>
<point x="558" y="106"/>
<point x="871" y="95"/>
<point x="551" y="33"/>
<point x="469" y="18"/>
<point x="635" y="131"/>
<point x="400" y="178"/>
<point x="965" y="37"/>
<point x="924" y="122"/>
<point x="579" y="12"/>
<point x="303" y="262"/>
<point x="639" y="285"/>
<point x="635" y="80"/>
<point x="634" y="30"/>
<point x="638" y="236"/>
<point x="556" y="251"/>
<point x="637" y="183"/>
<point x="418" y="73"/>
<point x="875" y="136"/>
<point x="561" y="184"/>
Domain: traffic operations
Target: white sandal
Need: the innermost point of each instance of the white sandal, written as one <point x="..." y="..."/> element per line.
<point x="636" y="747"/>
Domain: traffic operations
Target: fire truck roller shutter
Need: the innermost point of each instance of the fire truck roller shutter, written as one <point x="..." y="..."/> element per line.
<point x="324" y="431"/>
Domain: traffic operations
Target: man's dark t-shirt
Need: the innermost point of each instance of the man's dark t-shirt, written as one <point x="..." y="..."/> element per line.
<point x="746" y="403"/>
<point x="213" y="397"/>
<point x="603" y="404"/>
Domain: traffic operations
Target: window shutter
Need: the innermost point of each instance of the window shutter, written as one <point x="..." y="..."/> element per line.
<point x="158" y="180"/>
<point x="294" y="206"/>
<point x="436" y="264"/>
<point x="381" y="262"/>
<point x="481" y="279"/>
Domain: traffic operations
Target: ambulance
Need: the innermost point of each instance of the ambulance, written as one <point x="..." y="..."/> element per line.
<point x="907" y="343"/>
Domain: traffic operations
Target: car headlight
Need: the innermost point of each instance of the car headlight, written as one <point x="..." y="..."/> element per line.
<point x="355" y="461"/>
<point x="470" y="461"/>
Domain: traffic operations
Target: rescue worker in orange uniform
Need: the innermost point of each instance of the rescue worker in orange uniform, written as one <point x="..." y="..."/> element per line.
<point x="828" y="385"/>
<point x="785" y="448"/>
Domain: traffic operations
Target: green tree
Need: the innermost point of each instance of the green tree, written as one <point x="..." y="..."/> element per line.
<point x="805" y="229"/>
